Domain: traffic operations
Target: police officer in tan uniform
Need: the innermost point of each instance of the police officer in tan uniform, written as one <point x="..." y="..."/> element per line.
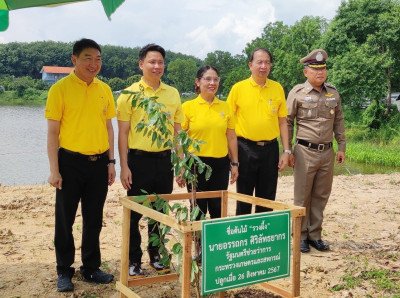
<point x="317" y="108"/>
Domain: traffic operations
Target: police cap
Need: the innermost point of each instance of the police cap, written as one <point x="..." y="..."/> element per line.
<point x="315" y="59"/>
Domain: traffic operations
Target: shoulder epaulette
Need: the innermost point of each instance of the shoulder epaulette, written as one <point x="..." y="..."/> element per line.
<point x="298" y="87"/>
<point x="330" y="86"/>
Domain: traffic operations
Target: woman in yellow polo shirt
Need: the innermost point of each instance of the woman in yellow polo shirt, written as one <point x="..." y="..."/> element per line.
<point x="209" y="119"/>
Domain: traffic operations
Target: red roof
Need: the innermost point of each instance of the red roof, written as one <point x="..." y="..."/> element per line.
<point x="57" y="69"/>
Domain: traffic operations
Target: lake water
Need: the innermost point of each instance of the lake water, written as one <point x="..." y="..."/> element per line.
<point x="23" y="146"/>
<point x="23" y="156"/>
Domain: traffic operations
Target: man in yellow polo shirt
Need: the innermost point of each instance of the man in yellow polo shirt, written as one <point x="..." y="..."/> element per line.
<point x="143" y="165"/>
<point x="259" y="108"/>
<point x="80" y="146"/>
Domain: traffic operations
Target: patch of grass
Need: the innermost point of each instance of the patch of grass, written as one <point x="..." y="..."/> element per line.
<point x="384" y="281"/>
<point x="378" y="154"/>
<point x="105" y="266"/>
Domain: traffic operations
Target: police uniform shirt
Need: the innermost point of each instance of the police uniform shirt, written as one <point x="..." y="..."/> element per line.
<point x="317" y="114"/>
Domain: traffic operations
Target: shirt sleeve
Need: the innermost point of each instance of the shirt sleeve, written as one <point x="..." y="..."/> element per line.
<point x="124" y="107"/>
<point x="54" y="104"/>
<point x="231" y="120"/>
<point x="282" y="112"/>
<point x="186" y="117"/>
<point x="111" y="104"/>
<point x="178" y="117"/>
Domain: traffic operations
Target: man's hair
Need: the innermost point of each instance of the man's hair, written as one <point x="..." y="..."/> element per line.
<point x="151" y="47"/>
<point x="251" y="57"/>
<point x="84" y="43"/>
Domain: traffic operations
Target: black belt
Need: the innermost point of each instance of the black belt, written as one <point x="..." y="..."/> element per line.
<point x="258" y="143"/>
<point x="318" y="147"/>
<point x="160" y="154"/>
<point x="93" y="157"/>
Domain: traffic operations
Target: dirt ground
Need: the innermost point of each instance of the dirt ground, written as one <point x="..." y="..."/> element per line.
<point x="362" y="226"/>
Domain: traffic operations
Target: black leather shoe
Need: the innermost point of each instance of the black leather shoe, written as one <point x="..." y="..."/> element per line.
<point x="135" y="270"/>
<point x="64" y="283"/>
<point x="98" y="277"/>
<point x="155" y="262"/>
<point x="304" y="247"/>
<point x="319" y="244"/>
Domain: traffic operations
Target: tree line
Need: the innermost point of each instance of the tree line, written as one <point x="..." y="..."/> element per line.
<point x="362" y="42"/>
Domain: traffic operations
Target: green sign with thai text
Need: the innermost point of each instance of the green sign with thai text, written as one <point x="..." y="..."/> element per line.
<point x="245" y="250"/>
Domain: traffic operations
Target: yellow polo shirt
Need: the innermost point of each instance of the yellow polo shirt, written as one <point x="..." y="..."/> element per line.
<point x="257" y="109"/>
<point x="208" y="123"/>
<point x="83" y="112"/>
<point x="167" y="95"/>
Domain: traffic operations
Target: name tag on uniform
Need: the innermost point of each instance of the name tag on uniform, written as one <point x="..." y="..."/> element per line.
<point x="308" y="99"/>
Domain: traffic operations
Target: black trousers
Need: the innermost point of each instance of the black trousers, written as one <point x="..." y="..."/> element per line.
<point x="258" y="173"/>
<point x="218" y="181"/>
<point x="85" y="181"/>
<point x="152" y="173"/>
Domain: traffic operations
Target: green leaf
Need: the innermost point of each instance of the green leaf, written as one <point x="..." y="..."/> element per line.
<point x="140" y="199"/>
<point x="195" y="212"/>
<point x="208" y="172"/>
<point x="177" y="248"/>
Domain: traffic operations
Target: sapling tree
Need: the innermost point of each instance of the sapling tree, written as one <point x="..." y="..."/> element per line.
<point x="185" y="162"/>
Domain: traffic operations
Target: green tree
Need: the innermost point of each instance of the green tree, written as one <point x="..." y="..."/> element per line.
<point x="182" y="73"/>
<point x="374" y="26"/>
<point x="132" y="79"/>
<point x="21" y="84"/>
<point x="225" y="63"/>
<point x="235" y="76"/>
<point x="288" y="45"/>
<point x="116" y="84"/>
<point x="354" y="74"/>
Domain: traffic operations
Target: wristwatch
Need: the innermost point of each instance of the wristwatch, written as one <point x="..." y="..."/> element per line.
<point x="234" y="164"/>
<point x="111" y="161"/>
<point x="287" y="151"/>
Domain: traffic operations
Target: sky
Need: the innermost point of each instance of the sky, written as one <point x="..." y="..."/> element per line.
<point x="185" y="26"/>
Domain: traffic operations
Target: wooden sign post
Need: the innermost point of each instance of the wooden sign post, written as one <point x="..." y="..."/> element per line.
<point x="187" y="228"/>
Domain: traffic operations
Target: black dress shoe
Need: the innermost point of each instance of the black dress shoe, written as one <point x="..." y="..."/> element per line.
<point x="155" y="262"/>
<point x="64" y="283"/>
<point x="304" y="247"/>
<point x="319" y="244"/>
<point x="98" y="277"/>
<point x="135" y="270"/>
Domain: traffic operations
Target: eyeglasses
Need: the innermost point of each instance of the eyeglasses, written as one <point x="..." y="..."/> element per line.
<point x="210" y="79"/>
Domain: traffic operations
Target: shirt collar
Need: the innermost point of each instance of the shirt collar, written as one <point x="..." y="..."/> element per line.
<point x="145" y="86"/>
<point x="201" y="100"/>
<point x="310" y="87"/>
<point x="254" y="83"/>
<point x="77" y="79"/>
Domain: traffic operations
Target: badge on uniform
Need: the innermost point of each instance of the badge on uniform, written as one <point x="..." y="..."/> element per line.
<point x="308" y="99"/>
<point x="332" y="112"/>
<point x="329" y="94"/>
